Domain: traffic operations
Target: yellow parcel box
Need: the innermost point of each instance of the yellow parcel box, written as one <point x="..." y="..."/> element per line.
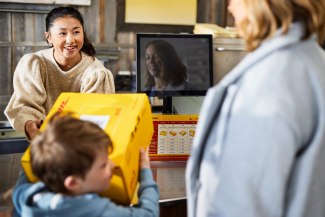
<point x="126" y="118"/>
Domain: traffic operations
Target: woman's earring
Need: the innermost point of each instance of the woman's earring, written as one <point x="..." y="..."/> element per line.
<point x="49" y="44"/>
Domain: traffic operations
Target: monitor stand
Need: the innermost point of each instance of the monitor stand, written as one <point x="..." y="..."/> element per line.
<point x="167" y="105"/>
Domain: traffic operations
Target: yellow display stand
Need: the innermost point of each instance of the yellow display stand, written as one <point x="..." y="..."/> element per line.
<point x="173" y="137"/>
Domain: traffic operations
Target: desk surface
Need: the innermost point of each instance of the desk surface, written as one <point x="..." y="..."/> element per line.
<point x="170" y="177"/>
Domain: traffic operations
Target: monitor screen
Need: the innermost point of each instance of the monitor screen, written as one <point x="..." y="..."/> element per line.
<point x="174" y="64"/>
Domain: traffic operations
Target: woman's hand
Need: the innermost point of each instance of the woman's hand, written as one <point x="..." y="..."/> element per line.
<point x="32" y="128"/>
<point x="144" y="158"/>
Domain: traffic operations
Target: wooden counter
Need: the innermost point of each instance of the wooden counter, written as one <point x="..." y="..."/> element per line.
<point x="170" y="177"/>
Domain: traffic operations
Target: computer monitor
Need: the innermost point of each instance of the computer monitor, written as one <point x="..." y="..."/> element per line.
<point x="171" y="65"/>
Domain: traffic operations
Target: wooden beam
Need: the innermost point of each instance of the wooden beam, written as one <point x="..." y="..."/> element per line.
<point x="58" y="2"/>
<point x="101" y="20"/>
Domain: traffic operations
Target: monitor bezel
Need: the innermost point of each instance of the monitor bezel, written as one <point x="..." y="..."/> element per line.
<point x="140" y="36"/>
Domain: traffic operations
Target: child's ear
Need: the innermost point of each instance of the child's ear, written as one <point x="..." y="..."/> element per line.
<point x="72" y="184"/>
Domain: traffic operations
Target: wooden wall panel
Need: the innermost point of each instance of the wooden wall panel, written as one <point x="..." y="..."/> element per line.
<point x="19" y="32"/>
<point x="39" y="27"/>
<point x="212" y="11"/>
<point x="102" y="24"/>
<point x="109" y="20"/>
<point x="5" y="66"/>
<point x="5" y="54"/>
<point x="91" y="19"/>
<point x="74" y="2"/>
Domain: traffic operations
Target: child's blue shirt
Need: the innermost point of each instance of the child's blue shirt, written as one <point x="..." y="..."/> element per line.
<point x="35" y="200"/>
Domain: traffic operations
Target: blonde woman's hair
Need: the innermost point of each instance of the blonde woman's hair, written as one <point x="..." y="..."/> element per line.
<point x="264" y="17"/>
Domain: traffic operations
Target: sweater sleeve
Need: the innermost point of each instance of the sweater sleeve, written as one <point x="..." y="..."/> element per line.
<point x="148" y="205"/>
<point x="97" y="79"/>
<point x="148" y="193"/>
<point x="29" y="94"/>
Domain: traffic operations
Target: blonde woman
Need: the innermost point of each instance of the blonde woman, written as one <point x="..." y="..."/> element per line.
<point x="260" y="142"/>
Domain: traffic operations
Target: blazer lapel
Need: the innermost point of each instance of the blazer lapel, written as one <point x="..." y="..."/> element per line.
<point x="277" y="42"/>
<point x="214" y="98"/>
<point x="208" y="114"/>
<point x="214" y="101"/>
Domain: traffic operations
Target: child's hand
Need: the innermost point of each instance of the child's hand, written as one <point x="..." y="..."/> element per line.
<point x="144" y="158"/>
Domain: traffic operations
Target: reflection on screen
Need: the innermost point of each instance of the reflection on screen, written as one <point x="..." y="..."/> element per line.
<point x="174" y="64"/>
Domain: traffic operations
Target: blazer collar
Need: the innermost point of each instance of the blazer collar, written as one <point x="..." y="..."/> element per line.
<point x="212" y="107"/>
<point x="277" y="42"/>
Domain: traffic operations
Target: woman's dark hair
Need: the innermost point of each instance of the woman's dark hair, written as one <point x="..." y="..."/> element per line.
<point x="58" y="12"/>
<point x="175" y="72"/>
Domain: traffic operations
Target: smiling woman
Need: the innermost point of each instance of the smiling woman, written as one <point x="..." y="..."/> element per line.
<point x="69" y="65"/>
<point x="164" y="68"/>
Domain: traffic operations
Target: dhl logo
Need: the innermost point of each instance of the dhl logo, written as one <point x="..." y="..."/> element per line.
<point x="62" y="105"/>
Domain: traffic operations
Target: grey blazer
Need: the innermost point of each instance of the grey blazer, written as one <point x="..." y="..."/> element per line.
<point x="259" y="149"/>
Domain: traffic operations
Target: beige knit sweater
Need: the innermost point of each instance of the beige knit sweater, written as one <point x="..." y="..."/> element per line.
<point x="38" y="81"/>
